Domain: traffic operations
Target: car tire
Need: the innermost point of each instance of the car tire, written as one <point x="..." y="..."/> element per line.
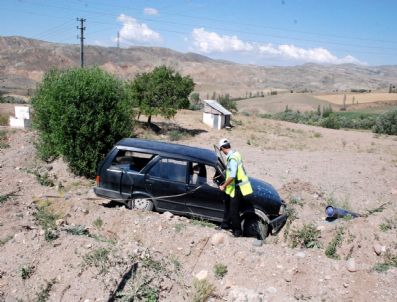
<point x="141" y="203"/>
<point x="253" y="226"/>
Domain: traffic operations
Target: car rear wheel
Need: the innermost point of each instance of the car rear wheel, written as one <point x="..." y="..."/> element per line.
<point x="253" y="226"/>
<point x="141" y="203"/>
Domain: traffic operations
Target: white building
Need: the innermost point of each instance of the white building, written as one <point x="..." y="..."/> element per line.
<point x="22" y="117"/>
<point x="215" y="115"/>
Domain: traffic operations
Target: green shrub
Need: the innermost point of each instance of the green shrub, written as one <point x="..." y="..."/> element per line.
<point x="3" y="120"/>
<point x="330" y="122"/>
<point x="202" y="290"/>
<point x="386" y="123"/>
<point x="220" y="270"/>
<point x="306" y="237"/>
<point x="80" y="114"/>
<point x="336" y="242"/>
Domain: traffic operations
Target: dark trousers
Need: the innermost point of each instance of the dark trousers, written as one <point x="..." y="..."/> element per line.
<point x="231" y="215"/>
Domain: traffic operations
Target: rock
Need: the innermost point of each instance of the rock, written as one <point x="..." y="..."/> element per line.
<point x="168" y="215"/>
<point x="351" y="265"/>
<point x="287" y="278"/>
<point x="239" y="294"/>
<point x="271" y="290"/>
<point x="257" y="242"/>
<point x="59" y="222"/>
<point x="300" y="254"/>
<point x="202" y="275"/>
<point x="377" y="248"/>
<point x="345" y="285"/>
<point x="218" y="238"/>
<point x="19" y="238"/>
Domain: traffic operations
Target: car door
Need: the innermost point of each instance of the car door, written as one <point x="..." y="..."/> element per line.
<point x="166" y="180"/>
<point x="205" y="199"/>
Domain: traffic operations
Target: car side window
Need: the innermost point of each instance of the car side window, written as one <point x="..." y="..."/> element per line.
<point x="130" y="160"/>
<point x="170" y="169"/>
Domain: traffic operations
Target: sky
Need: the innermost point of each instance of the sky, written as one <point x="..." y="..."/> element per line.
<point x="260" y="32"/>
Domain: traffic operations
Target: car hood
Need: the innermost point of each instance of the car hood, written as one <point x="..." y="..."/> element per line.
<point x="264" y="197"/>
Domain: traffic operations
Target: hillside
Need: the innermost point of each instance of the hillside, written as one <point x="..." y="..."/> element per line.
<point x="98" y="251"/>
<point x="23" y="62"/>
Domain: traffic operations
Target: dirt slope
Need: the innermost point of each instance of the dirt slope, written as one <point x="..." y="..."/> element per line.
<point x="103" y="252"/>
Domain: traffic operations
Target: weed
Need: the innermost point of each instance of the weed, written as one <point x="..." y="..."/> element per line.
<point x="101" y="238"/>
<point x="317" y="134"/>
<point x="5" y="240"/>
<point x="78" y="230"/>
<point x="43" y="179"/>
<point x="292" y="215"/>
<point x="176" y="135"/>
<point x="4" y="198"/>
<point x="26" y="271"/>
<point x="202" y="223"/>
<point x="98" y="223"/>
<point x="149" y="263"/>
<point x="45" y="217"/>
<point x="306" y="237"/>
<point x="203" y="289"/>
<point x="98" y="258"/>
<point x="389" y="261"/>
<point x="220" y="270"/>
<point x="378" y="209"/>
<point x="296" y="200"/>
<point x="3" y="139"/>
<point x="389" y="224"/>
<point x="336" y="242"/>
<point x="179" y="227"/>
<point x="176" y="263"/>
<point x="44" y="293"/>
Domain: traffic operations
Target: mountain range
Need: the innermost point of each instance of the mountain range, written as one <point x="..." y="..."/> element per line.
<point x="24" y="61"/>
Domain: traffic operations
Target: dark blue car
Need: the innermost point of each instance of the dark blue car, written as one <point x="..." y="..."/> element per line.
<point x="184" y="180"/>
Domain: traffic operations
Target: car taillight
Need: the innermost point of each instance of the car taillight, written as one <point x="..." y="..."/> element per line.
<point x="97" y="179"/>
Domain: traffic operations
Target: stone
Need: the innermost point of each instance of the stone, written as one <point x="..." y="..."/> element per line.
<point x="377" y="248"/>
<point x="168" y="215"/>
<point x="239" y="294"/>
<point x="300" y="254"/>
<point x="257" y="243"/>
<point x="351" y="265"/>
<point x="218" y="238"/>
<point x="271" y="290"/>
<point x="201" y="275"/>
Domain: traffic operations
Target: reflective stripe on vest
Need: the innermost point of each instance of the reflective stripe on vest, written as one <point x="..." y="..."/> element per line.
<point x="242" y="178"/>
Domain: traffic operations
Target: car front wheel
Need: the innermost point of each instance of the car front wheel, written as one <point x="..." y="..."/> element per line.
<point x="253" y="226"/>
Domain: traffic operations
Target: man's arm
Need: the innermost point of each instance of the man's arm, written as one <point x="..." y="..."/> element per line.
<point x="232" y="176"/>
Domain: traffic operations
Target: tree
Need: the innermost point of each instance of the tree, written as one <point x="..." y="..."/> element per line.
<point x="195" y="98"/>
<point x="160" y="92"/>
<point x="79" y="115"/>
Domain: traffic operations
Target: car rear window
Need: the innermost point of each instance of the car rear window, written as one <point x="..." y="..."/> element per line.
<point x="134" y="161"/>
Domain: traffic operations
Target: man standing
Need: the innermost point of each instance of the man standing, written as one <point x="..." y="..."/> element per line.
<point x="235" y="186"/>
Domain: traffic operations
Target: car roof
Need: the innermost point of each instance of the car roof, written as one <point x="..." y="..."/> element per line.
<point x="170" y="149"/>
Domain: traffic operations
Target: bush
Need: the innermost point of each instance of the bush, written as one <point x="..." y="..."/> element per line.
<point x="330" y="122"/>
<point x="80" y="114"/>
<point x="386" y="123"/>
<point x="306" y="237"/>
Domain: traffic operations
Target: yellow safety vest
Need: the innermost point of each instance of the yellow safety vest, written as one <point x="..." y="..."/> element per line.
<point x="242" y="178"/>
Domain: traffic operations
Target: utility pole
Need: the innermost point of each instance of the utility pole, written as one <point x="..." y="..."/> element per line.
<point x="82" y="28"/>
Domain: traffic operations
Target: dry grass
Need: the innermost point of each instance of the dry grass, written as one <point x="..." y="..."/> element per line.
<point x="337" y="99"/>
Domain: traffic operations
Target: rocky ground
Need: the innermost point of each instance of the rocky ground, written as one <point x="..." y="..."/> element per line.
<point x="58" y="242"/>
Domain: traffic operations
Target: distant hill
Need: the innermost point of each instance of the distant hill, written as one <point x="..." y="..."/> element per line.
<point x="23" y="62"/>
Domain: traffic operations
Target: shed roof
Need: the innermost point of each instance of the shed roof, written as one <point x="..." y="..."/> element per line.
<point x="218" y="107"/>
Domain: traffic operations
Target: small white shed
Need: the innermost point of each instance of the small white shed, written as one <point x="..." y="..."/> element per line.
<point x="215" y="115"/>
<point x="22" y="117"/>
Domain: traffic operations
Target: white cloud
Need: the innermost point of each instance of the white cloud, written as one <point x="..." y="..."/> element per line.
<point x="150" y="11"/>
<point x="317" y="55"/>
<point x="132" y="30"/>
<point x="210" y="42"/>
